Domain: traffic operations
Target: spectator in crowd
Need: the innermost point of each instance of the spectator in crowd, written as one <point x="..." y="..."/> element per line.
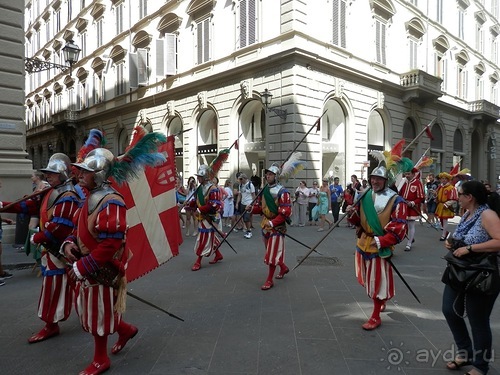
<point x="349" y="194"/>
<point x="301" y="200"/>
<point x="180" y="197"/>
<point x="228" y="212"/>
<point x="324" y="205"/>
<point x="190" y="207"/>
<point x="431" y="187"/>
<point x="313" y="201"/>
<point x="336" y="197"/>
<point x="245" y="197"/>
<point x="39" y="184"/>
<point x="3" y="274"/>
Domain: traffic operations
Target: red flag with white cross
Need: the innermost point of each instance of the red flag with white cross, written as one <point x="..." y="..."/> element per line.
<point x="154" y="232"/>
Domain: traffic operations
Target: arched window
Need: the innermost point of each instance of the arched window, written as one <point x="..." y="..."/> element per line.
<point x="207" y="136"/>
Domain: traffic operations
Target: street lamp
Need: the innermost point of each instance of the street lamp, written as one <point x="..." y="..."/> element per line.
<point x="266" y="98"/>
<point x="71" y="52"/>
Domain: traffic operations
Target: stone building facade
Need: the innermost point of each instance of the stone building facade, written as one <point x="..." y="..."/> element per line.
<point x="374" y="71"/>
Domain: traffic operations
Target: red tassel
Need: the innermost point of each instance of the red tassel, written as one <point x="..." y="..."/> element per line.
<point x="428" y="133"/>
<point x="236" y="145"/>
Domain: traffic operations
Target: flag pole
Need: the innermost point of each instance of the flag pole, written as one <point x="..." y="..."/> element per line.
<point x="315" y="125"/>
<point x="419" y="135"/>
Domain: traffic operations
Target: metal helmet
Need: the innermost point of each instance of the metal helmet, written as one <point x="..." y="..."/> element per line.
<point x="380" y="171"/>
<point x="274" y="169"/>
<point x="203" y="171"/>
<point x="99" y="161"/>
<point x="60" y="164"/>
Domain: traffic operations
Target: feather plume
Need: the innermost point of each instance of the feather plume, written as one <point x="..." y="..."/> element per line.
<point x="292" y="166"/>
<point x="397" y="150"/>
<point x="217" y="163"/>
<point x="379" y="155"/>
<point x="143" y="153"/>
<point x="405" y="165"/>
<point x="424" y="162"/>
<point x="137" y="134"/>
<point x="94" y="140"/>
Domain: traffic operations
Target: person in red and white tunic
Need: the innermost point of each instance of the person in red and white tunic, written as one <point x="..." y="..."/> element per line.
<point x="413" y="193"/>
<point x="98" y="256"/>
<point x="56" y="209"/>
<point x="208" y="203"/>
<point x="275" y="205"/>
<point x="380" y="220"/>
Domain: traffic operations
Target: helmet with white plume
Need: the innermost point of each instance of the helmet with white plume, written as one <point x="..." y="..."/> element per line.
<point x="60" y="164"/>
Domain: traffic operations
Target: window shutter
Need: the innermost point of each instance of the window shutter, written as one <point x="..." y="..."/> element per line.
<point x="171" y="54"/>
<point x="206" y="40"/>
<point x="342" y="23"/>
<point x="142" y="66"/>
<point x="199" y="43"/>
<point x="243" y="23"/>
<point x="160" y="65"/>
<point x="382" y="43"/>
<point x="335" y="18"/>
<point x="133" y="71"/>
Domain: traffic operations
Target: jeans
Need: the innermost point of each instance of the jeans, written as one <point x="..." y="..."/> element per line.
<point x="478" y="309"/>
<point x="335" y="210"/>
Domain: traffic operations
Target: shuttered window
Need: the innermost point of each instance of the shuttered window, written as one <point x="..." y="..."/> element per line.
<point x="166" y="56"/>
<point x="380" y="41"/>
<point x="338" y="23"/>
<point x="248" y="23"/>
<point x="203" y="41"/>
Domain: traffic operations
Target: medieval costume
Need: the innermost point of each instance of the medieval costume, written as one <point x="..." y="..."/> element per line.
<point x="99" y="258"/>
<point x="413" y="193"/>
<point x="57" y="209"/>
<point x="275" y="205"/>
<point x="446" y="198"/>
<point x="208" y="202"/>
<point x="380" y="218"/>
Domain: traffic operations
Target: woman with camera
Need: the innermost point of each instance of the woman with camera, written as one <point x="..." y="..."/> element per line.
<point x="476" y="234"/>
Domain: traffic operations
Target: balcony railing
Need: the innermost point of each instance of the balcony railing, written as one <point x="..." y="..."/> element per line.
<point x="485" y="109"/>
<point x="420" y="86"/>
<point x="67" y="116"/>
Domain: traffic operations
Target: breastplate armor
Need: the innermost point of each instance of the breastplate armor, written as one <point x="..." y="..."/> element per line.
<point x="381" y="199"/>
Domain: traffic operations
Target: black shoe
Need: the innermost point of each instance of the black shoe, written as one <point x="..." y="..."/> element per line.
<point x="6" y="275"/>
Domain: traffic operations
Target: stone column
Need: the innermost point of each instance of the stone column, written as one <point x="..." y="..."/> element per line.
<point x="15" y="168"/>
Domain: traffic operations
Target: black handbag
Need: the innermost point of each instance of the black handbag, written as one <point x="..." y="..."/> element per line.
<point x="472" y="273"/>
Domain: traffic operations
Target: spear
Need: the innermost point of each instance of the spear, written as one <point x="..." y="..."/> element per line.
<point x="315" y="125"/>
<point x="6" y="207"/>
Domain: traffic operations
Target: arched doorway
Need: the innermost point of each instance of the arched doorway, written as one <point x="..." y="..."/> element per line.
<point x="333" y="129"/>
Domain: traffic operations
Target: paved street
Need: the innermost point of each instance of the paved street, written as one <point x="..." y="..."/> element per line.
<point x="309" y="323"/>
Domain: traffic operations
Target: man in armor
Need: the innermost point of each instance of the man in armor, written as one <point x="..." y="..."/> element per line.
<point x="98" y="259"/>
<point x="276" y="207"/>
<point x="380" y="220"/>
<point x="208" y="203"/>
<point x="57" y="208"/>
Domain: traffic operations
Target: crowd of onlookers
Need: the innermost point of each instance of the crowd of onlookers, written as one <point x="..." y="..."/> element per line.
<point x="312" y="205"/>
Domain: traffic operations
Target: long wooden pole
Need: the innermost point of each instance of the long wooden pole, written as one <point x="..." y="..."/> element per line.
<point x="5" y="208"/>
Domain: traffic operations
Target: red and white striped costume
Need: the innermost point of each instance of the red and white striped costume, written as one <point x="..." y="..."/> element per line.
<point x="413" y="191"/>
<point x="274" y="236"/>
<point x="57" y="209"/>
<point x="100" y="234"/>
<point x="208" y="201"/>
<point x="373" y="272"/>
